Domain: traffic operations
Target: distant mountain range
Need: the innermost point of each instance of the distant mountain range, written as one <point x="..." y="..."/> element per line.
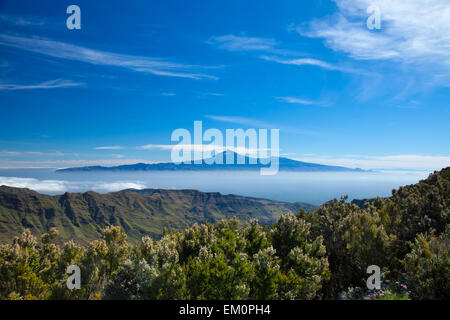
<point x="82" y="216"/>
<point x="285" y="164"/>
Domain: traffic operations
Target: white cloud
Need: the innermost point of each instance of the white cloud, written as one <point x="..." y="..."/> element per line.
<point x="242" y="121"/>
<point x="206" y="148"/>
<point x="52" y="84"/>
<point x="315" y="63"/>
<point x="260" y="124"/>
<point x="52" y="154"/>
<point x="295" y="100"/>
<point x="116" y="186"/>
<point x="109" y="148"/>
<point x="235" y="43"/>
<point x="239" y="43"/>
<point x="62" y="50"/>
<point x="156" y="146"/>
<point x="214" y="94"/>
<point x="10" y="153"/>
<point x="34" y="184"/>
<point x="303" y="62"/>
<point x="412" y="162"/>
<point x="268" y="45"/>
<point x="412" y="31"/>
<point x="33" y="153"/>
<point x="22" y="21"/>
<point x="68" y="163"/>
<point x="60" y="186"/>
<point x="184" y="147"/>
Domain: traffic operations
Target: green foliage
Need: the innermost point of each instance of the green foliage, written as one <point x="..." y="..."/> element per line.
<point x="224" y="261"/>
<point x="302" y="257"/>
<point x="26" y="271"/>
<point x="213" y="261"/>
<point x="428" y="267"/>
<point x="354" y="239"/>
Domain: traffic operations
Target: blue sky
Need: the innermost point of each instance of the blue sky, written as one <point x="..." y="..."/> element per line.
<point x="339" y="92"/>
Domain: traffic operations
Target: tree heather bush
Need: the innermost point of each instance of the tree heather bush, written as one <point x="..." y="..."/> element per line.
<point x="221" y="261"/>
<point x="428" y="267"/>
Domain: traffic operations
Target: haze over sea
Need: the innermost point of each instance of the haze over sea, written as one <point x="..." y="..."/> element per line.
<point x="310" y="187"/>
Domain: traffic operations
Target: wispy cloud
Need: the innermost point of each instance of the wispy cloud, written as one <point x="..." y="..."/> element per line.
<point x="156" y="146"/>
<point x="32" y="153"/>
<point x="52" y="84"/>
<point x="241" y="121"/>
<point x="326" y="100"/>
<point x="295" y="100"/>
<point x="109" y="148"/>
<point x="38" y="153"/>
<point x="62" y="50"/>
<point x="10" y="153"/>
<point x="313" y="62"/>
<point x="52" y="163"/>
<point x="22" y="20"/>
<point x="303" y="62"/>
<point x="270" y="46"/>
<point x="249" y="122"/>
<point x="409" y="54"/>
<point x="231" y="42"/>
<point x="412" y="31"/>
<point x="208" y="148"/>
<point x="412" y="162"/>
<point x="213" y="94"/>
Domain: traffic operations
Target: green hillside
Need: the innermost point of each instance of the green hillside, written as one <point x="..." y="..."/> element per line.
<point x="82" y="216"/>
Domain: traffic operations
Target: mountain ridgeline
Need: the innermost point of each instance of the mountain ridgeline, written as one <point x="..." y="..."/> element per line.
<point x="82" y="216"/>
<point x="239" y="162"/>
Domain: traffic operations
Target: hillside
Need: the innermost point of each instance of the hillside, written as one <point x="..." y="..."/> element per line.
<point x="285" y="164"/>
<point x="82" y="216"/>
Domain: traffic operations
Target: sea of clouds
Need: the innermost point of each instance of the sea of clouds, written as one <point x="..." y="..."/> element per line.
<point x="61" y="186"/>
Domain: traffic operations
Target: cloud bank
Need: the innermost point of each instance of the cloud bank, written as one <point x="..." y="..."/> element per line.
<point x="61" y="186"/>
<point x="406" y="162"/>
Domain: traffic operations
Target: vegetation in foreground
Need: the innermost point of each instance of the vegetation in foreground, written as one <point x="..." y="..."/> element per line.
<point x="322" y="254"/>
